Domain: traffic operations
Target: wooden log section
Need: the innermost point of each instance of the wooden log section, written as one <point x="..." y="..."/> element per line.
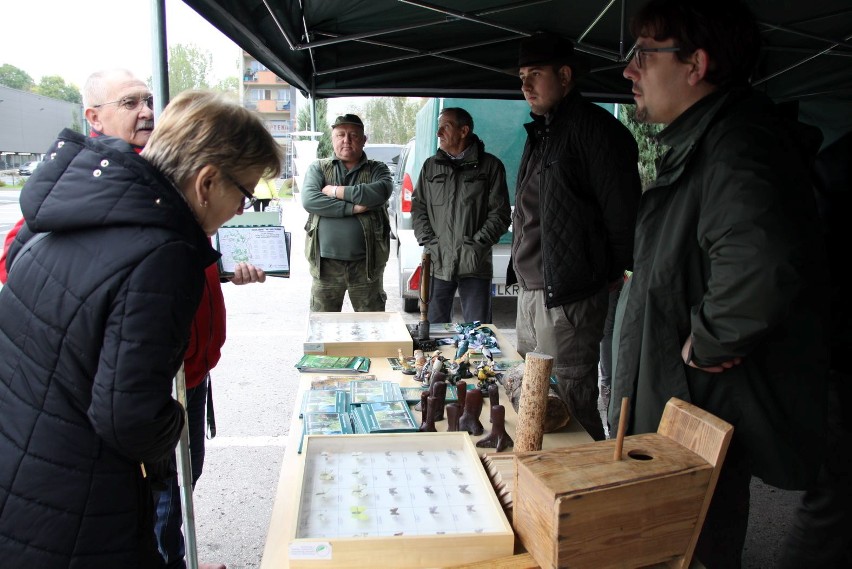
<point x="532" y="408"/>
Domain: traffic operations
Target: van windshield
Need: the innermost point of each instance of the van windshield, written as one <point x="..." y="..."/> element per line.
<point x="387" y="154"/>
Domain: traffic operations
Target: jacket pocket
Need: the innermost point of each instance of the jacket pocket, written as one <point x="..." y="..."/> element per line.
<point x="312" y="252"/>
<point x="474" y="186"/>
<point x="436" y="257"/>
<point x="474" y="259"/>
<point x="437" y="189"/>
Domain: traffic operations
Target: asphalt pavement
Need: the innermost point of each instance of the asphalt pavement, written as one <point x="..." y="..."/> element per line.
<point x="254" y="389"/>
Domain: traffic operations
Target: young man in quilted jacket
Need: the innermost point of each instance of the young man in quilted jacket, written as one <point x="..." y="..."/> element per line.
<point x="575" y="210"/>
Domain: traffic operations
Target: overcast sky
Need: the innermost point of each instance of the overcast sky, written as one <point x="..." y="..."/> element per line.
<point x="74" y="38"/>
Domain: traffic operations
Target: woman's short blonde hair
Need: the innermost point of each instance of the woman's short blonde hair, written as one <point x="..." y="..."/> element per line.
<point x="200" y="128"/>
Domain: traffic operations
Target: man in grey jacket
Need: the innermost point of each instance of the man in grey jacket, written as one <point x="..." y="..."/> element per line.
<point x="727" y="305"/>
<point x="459" y="209"/>
<point x="575" y="210"/>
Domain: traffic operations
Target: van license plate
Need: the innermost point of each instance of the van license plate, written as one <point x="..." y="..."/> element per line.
<point x="505" y="290"/>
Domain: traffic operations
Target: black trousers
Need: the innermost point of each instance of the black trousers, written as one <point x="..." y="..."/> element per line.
<point x="822" y="527"/>
<point x="261" y="204"/>
<point x="475" y="296"/>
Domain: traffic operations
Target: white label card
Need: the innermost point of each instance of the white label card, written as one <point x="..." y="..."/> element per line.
<point x="310" y="550"/>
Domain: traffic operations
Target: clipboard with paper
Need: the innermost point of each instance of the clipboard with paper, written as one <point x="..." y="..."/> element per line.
<point x="264" y="246"/>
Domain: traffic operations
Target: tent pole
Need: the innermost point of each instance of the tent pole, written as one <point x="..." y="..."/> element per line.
<point x="184" y="468"/>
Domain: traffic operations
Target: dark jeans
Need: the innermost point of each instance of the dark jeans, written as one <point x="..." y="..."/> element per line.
<point x="475" y="296"/>
<point x="261" y="204"/>
<point x="169" y="513"/>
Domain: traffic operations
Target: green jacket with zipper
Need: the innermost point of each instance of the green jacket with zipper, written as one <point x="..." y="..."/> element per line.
<point x="459" y="210"/>
<point x="333" y="230"/>
<point x="728" y="251"/>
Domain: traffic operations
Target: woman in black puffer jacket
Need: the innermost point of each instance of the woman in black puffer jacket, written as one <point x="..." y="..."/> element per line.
<point x="95" y="320"/>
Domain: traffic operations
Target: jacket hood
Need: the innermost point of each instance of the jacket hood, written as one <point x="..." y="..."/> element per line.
<point x="471" y="157"/>
<point x="100" y="182"/>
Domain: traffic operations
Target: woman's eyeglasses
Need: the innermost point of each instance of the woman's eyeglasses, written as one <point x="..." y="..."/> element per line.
<point x="131" y="103"/>
<point x="639" y="53"/>
<point x="249" y="199"/>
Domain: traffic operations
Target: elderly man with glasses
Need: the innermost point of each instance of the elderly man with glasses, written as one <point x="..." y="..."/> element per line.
<point x="118" y="104"/>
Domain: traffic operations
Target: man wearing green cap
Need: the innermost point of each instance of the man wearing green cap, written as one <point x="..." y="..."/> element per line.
<point x="348" y="231"/>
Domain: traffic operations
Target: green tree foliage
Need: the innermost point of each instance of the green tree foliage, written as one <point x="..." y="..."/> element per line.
<point x="54" y="86"/>
<point x="189" y="68"/>
<point x="76" y="124"/>
<point x="649" y="149"/>
<point x="229" y="86"/>
<point x="16" y="78"/>
<point x="390" y="120"/>
<point x="303" y="122"/>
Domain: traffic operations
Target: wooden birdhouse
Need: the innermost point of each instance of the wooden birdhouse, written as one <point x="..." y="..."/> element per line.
<point x="596" y="506"/>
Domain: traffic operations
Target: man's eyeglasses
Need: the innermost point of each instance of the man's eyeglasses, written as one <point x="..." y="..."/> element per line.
<point x="639" y="52"/>
<point x="249" y="199"/>
<point x="131" y="103"/>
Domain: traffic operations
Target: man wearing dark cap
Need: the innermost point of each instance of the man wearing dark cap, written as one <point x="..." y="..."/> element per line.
<point x="348" y="231"/>
<point x="575" y="210"/>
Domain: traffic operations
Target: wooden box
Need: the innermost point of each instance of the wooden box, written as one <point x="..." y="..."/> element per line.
<point x="395" y="500"/>
<point x="372" y="334"/>
<point x="582" y="507"/>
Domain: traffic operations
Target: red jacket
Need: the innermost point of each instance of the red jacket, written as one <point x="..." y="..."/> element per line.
<point x="208" y="327"/>
<point x="208" y="331"/>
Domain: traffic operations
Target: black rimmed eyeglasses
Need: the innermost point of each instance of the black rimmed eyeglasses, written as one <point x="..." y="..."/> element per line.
<point x="131" y="103"/>
<point x="249" y="199"/>
<point x="639" y="52"/>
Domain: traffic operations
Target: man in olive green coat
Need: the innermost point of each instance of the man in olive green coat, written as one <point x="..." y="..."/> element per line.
<point x="727" y="304"/>
<point x="459" y="210"/>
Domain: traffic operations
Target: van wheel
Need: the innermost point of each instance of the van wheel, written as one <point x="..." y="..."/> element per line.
<point x="410" y="305"/>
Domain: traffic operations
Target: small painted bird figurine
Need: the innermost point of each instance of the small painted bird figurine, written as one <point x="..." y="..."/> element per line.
<point x="486" y="353"/>
<point x="407" y="368"/>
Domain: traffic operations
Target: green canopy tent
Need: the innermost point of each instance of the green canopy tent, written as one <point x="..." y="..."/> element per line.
<point x="468" y="48"/>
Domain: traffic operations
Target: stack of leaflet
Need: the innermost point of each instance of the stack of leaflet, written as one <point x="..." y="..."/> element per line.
<point x="312" y="363"/>
<point x="366" y="407"/>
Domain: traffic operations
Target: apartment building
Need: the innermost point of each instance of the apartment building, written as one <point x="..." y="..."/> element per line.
<point x="274" y="99"/>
